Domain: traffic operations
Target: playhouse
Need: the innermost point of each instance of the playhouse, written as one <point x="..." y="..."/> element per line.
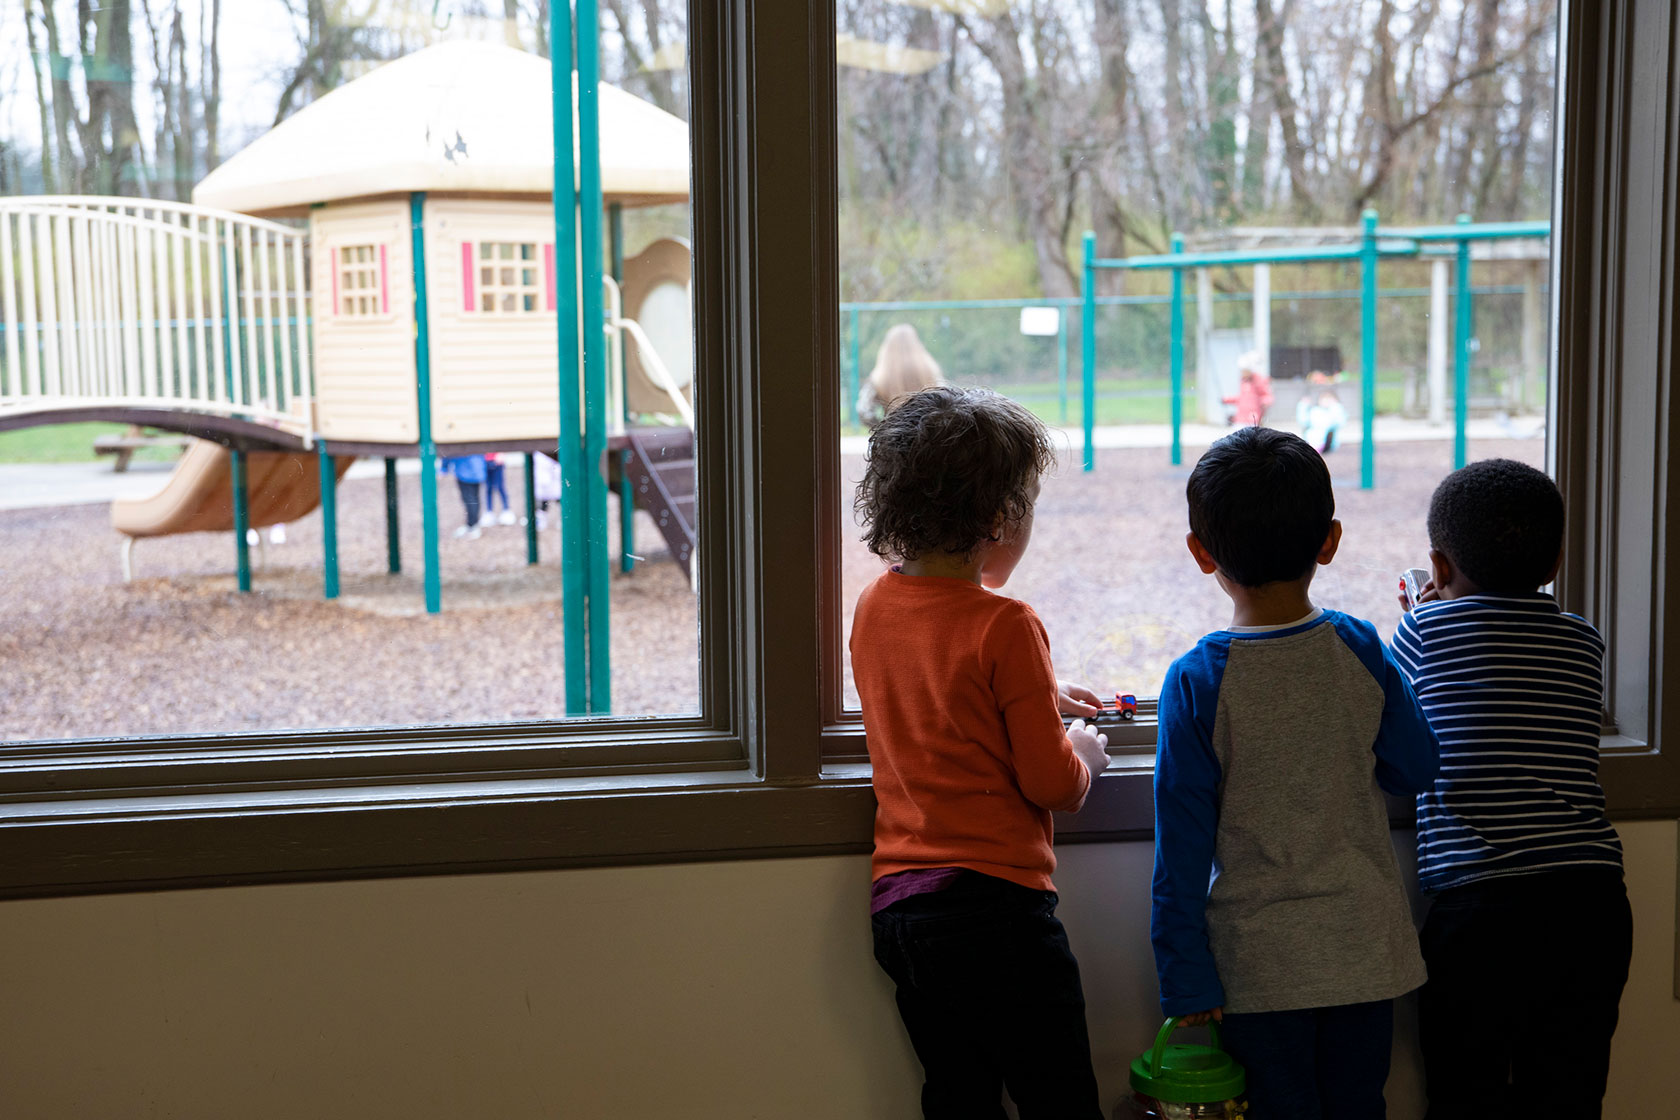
<point x="469" y="125"/>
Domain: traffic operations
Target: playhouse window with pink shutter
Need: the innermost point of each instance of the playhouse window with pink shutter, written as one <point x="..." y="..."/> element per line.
<point x="510" y="277"/>
<point x="361" y="281"/>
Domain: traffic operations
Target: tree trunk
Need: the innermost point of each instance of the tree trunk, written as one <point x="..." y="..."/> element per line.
<point x="70" y="169"/>
<point x="1027" y="143"/>
<point x="213" y="99"/>
<point x="49" y="177"/>
<point x="510" y="24"/>
<point x="1270" y="30"/>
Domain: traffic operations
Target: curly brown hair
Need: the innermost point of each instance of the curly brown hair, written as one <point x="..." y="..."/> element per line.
<point x="941" y="467"/>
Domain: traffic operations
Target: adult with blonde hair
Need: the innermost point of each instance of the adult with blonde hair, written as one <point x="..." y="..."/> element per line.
<point x="902" y="366"/>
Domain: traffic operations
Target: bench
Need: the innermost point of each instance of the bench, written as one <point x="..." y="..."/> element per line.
<point x="125" y="445"/>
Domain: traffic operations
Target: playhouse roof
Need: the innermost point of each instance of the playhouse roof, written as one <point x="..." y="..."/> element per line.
<point x="457" y="117"/>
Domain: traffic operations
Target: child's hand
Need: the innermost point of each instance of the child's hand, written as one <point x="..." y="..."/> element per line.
<point x="1076" y="700"/>
<point x="1428" y="593"/>
<point x="1091" y="747"/>
<point x="1200" y="1017"/>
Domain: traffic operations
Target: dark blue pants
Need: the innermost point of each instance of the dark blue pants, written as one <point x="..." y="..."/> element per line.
<point x="469" y="500"/>
<point x="989" y="993"/>
<point x="1525" y="980"/>
<point x="1321" y="1063"/>
<point x="495" y="485"/>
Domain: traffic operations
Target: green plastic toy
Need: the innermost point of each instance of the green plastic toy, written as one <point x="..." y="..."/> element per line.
<point x="1186" y="1079"/>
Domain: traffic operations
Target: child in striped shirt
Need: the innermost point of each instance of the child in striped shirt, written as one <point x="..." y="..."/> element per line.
<point x="1529" y="934"/>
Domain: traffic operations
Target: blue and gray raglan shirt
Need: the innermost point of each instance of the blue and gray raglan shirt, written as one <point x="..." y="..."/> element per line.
<point x="1276" y="884"/>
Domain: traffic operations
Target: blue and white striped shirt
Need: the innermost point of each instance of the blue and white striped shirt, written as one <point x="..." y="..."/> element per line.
<point x="1513" y="687"/>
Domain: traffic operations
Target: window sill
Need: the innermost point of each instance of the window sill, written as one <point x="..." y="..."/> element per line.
<point x="97" y="844"/>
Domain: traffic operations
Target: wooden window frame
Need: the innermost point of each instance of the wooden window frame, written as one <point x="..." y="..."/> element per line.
<point x="768" y="771"/>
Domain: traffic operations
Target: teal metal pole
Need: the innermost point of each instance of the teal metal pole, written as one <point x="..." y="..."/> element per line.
<point x="574" y="612"/>
<point x="1088" y="351"/>
<point x="329" y="521"/>
<point x="626" y="488"/>
<point x="393" y="545"/>
<point x="1463" y="333"/>
<point x="530" y="508"/>
<point x="1176" y="350"/>
<point x="1061" y="363"/>
<point x="1368" y="352"/>
<point x="241" y="498"/>
<point x="590" y="211"/>
<point x="423" y="402"/>
<point x="854" y="374"/>
<point x="241" y="522"/>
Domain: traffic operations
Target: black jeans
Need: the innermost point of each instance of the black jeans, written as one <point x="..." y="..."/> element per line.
<point x="1525" y="979"/>
<point x="469" y="499"/>
<point x="989" y="992"/>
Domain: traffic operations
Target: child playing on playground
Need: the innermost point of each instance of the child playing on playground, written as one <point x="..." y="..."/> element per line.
<point x="1512" y="837"/>
<point x="1277" y="737"/>
<point x="469" y="472"/>
<point x="495" y="483"/>
<point x="962" y="714"/>
<point x="1254" y="391"/>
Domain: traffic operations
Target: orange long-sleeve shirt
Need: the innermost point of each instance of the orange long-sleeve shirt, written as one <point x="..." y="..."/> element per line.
<point x="959" y="708"/>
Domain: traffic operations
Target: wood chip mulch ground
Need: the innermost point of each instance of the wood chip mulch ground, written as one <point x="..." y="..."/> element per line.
<point x="180" y="651"/>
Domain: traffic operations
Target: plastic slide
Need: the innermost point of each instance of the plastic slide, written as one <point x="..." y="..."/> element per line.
<point x="282" y="486"/>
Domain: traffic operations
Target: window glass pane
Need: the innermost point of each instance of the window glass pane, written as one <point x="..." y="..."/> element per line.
<point x="979" y="140"/>
<point x="305" y="306"/>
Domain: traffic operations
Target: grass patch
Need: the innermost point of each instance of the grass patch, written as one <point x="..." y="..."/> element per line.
<point x="69" y="443"/>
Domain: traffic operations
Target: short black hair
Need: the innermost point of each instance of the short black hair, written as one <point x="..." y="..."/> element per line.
<point x="942" y="465"/>
<point x="1261" y="504"/>
<point x="1500" y="522"/>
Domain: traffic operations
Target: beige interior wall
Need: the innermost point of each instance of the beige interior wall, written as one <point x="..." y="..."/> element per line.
<point x="364" y="367"/>
<point x="723" y="990"/>
<point x="492" y="375"/>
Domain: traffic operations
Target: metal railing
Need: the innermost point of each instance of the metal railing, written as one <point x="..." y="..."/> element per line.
<point x="114" y="302"/>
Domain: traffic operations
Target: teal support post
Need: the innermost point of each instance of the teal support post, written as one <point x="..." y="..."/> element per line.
<point x="626" y="514"/>
<point x="393" y="545"/>
<point x="590" y="210"/>
<point x="241" y="496"/>
<point x="530" y="508"/>
<point x="329" y="521"/>
<point x="1368" y="351"/>
<point x="626" y="487"/>
<point x="1463" y="339"/>
<point x="574" y="611"/>
<point x="423" y="401"/>
<point x="1176" y="356"/>
<point x="241" y="522"/>
<point x="1088" y="351"/>
<point x="854" y="374"/>
<point x="1061" y="362"/>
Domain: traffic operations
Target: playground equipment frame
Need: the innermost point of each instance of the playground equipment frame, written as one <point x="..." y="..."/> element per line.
<point x="1375" y="244"/>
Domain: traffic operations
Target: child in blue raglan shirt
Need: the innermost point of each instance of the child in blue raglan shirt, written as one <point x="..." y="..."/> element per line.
<point x="1278" y="904"/>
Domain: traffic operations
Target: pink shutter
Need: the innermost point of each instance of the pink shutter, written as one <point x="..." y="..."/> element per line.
<point x="467" y="301"/>
<point x="548" y="268"/>
<point x="384" y="284"/>
<point x="334" y="310"/>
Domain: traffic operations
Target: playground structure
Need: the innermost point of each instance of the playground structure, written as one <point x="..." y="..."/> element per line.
<point x="1374" y="244"/>
<point x="415" y="317"/>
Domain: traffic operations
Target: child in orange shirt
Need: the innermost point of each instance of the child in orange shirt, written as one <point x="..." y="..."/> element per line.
<point x="963" y="716"/>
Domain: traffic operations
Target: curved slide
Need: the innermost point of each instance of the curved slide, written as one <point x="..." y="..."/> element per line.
<point x="282" y="486"/>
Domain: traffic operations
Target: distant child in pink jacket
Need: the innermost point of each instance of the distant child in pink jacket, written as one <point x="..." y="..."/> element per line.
<point x="1254" y="394"/>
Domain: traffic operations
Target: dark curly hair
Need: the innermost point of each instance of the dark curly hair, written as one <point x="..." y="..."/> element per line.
<point x="1261" y="504"/>
<point x="942" y="465"/>
<point x="1500" y="522"/>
